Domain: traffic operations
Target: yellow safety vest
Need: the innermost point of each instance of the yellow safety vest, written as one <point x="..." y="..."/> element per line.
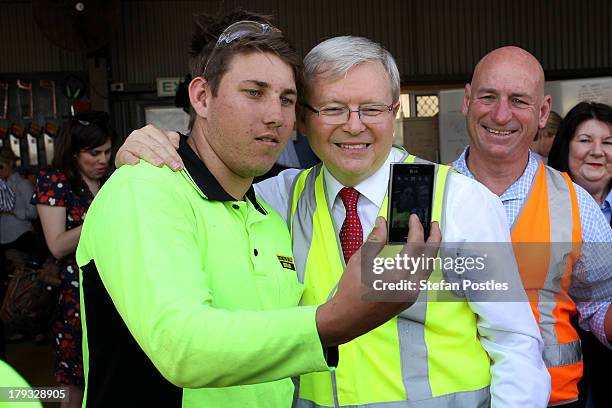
<point x="429" y="356"/>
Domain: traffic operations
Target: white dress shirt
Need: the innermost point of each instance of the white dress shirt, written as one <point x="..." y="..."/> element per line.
<point x="507" y="330"/>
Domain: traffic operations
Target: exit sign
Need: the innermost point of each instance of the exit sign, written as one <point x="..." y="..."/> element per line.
<point x="167" y="86"/>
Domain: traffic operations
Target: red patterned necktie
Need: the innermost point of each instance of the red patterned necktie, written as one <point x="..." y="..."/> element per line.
<point x="351" y="233"/>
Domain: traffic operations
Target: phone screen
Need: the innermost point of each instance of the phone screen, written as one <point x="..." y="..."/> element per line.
<point x="410" y="192"/>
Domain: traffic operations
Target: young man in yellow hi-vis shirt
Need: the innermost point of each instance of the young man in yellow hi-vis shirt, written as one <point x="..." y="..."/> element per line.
<point x="189" y="291"/>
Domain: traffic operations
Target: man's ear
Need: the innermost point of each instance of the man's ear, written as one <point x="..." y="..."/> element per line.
<point x="545" y="111"/>
<point x="199" y="95"/>
<point x="396" y="108"/>
<point x="467" y="92"/>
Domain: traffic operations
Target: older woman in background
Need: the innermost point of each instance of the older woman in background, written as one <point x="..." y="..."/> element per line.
<point x="63" y="195"/>
<point x="583" y="148"/>
<point x="16" y="229"/>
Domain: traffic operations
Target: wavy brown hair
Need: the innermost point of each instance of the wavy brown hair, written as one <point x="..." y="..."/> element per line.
<point x="84" y="131"/>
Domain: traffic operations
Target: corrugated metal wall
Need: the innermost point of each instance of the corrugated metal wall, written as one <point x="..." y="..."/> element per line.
<point x="23" y="48"/>
<point x="433" y="41"/>
<point x="569" y="37"/>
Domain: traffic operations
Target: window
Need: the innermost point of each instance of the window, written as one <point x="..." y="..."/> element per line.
<point x="427" y="105"/>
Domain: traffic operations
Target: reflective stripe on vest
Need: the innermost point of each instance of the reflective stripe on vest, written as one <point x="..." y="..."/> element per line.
<point x="406" y="361"/>
<point x="471" y="399"/>
<point x="550" y="214"/>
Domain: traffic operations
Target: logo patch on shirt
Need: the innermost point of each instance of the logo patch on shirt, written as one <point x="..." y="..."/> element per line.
<point x="286" y="262"/>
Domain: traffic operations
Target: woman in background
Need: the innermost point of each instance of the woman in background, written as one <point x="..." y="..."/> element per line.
<point x="583" y="148"/>
<point x="16" y="230"/>
<point x="63" y="194"/>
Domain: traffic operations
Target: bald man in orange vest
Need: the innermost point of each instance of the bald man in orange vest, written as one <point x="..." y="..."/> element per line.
<point x="504" y="106"/>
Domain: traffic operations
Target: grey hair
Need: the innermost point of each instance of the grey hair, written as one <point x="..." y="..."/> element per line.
<point x="336" y="56"/>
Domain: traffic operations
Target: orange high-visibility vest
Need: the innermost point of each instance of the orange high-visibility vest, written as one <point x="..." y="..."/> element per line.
<point x="550" y="223"/>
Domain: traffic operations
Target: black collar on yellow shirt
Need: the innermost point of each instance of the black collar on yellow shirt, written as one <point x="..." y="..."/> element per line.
<point x="205" y="180"/>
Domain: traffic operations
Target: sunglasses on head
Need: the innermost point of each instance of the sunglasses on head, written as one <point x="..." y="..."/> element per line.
<point x="243" y="28"/>
<point x="238" y="30"/>
<point x="87" y="118"/>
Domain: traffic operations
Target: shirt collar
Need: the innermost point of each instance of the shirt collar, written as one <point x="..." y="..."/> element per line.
<point x="204" y="179"/>
<point x="461" y="164"/>
<point x="374" y="188"/>
<point x="607" y="202"/>
<point x="517" y="190"/>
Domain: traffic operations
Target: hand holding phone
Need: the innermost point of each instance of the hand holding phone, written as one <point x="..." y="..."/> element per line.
<point x="410" y="192"/>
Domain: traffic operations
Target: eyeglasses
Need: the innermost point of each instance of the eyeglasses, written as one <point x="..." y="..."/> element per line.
<point x="340" y="114"/>
<point x="238" y="30"/>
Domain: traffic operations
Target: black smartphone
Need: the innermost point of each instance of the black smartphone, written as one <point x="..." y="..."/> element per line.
<point x="410" y="192"/>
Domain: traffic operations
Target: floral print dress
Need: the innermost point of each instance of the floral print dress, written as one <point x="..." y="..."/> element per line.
<point x="53" y="188"/>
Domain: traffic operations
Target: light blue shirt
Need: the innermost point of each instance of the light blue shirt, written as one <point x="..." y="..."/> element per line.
<point x="606" y="206"/>
<point x="7" y="197"/>
<point x="594" y="229"/>
<point x="18" y="221"/>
